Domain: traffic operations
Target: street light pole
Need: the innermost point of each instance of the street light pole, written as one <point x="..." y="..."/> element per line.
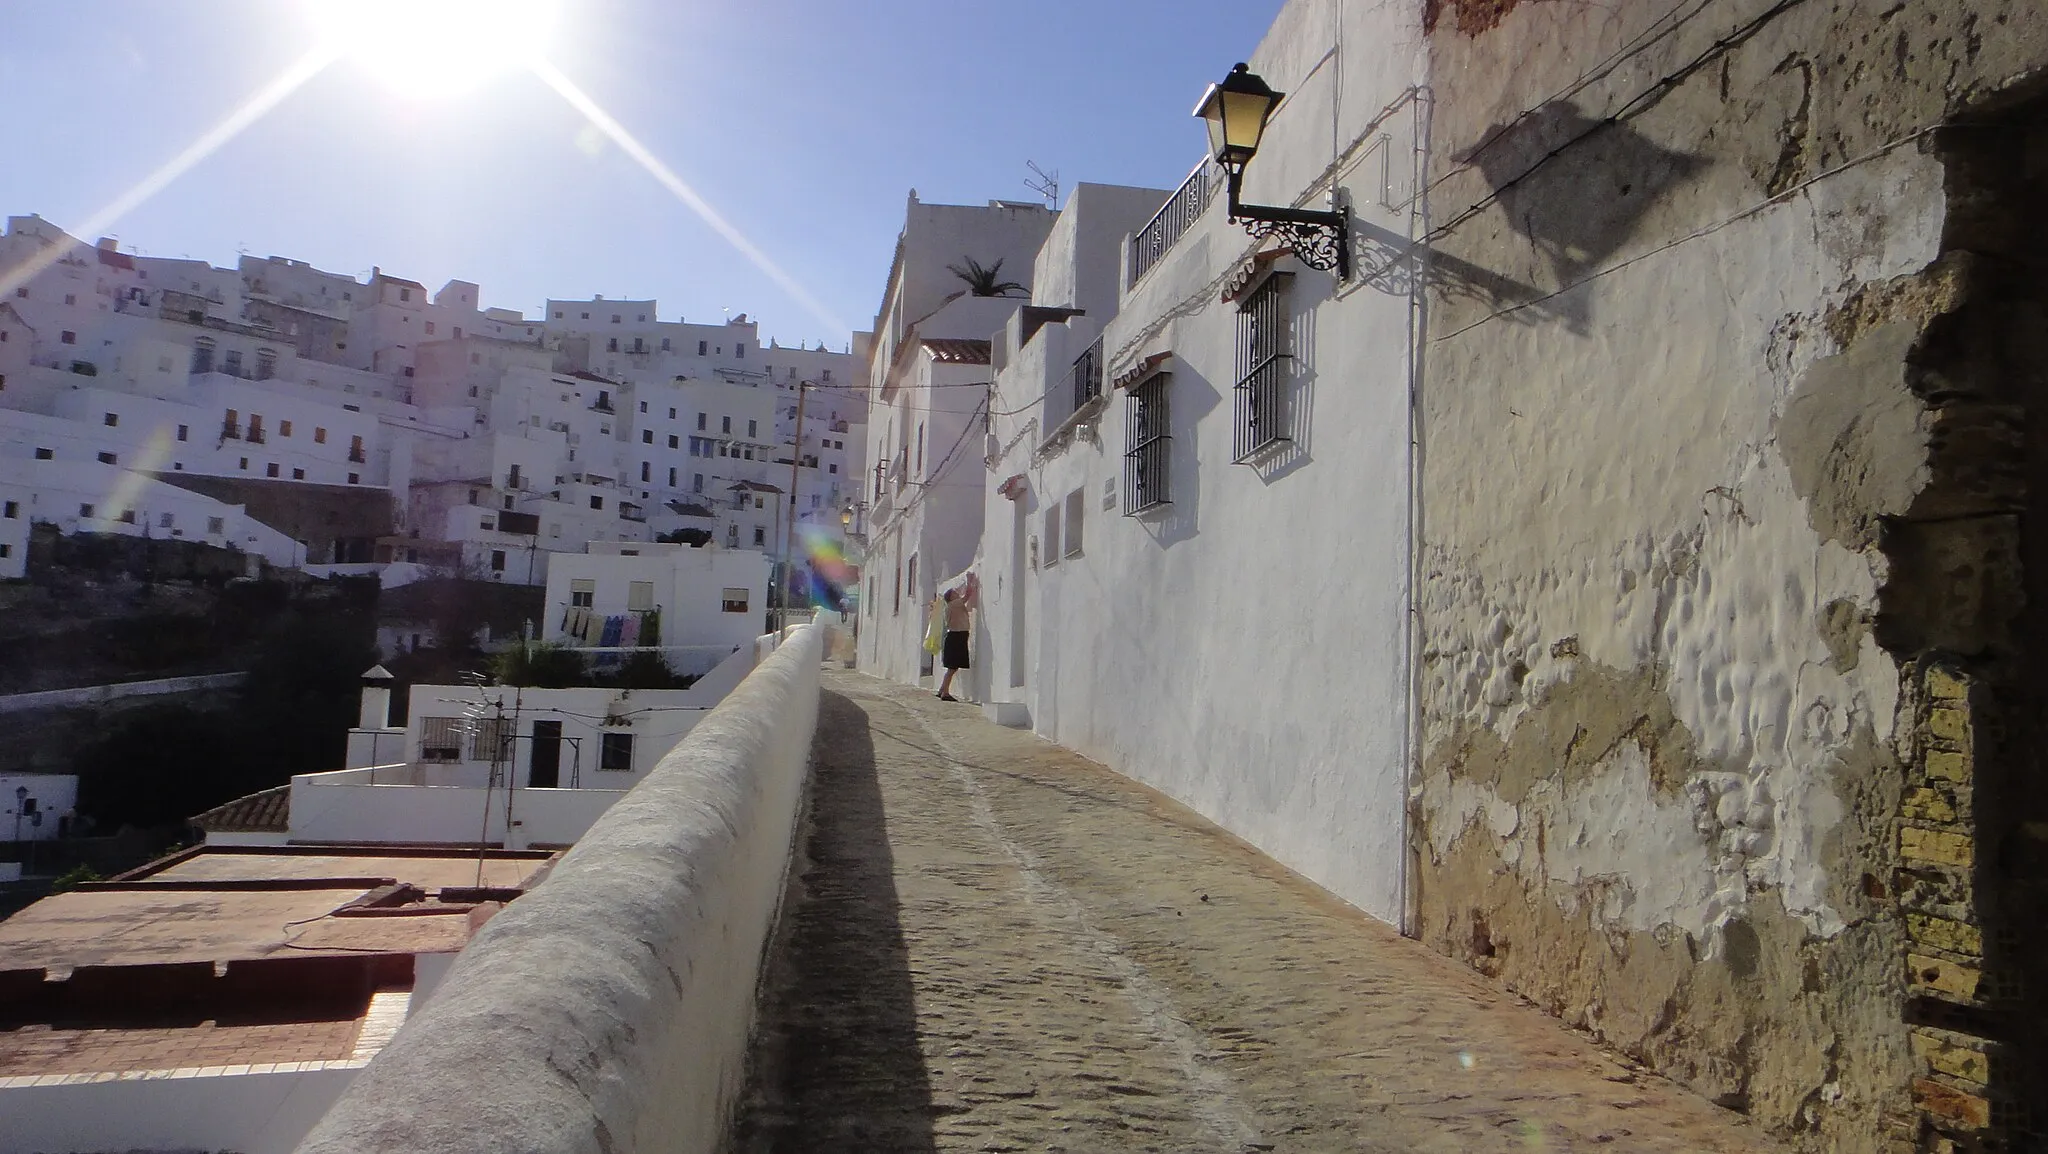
<point x="796" y="461"/>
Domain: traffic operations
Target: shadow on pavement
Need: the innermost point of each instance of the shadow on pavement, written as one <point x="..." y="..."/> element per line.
<point x="836" y="1062"/>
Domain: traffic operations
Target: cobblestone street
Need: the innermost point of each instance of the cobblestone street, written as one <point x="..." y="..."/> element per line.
<point x="998" y="945"/>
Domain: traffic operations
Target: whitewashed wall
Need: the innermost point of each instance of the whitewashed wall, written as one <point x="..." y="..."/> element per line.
<point x="251" y="1113"/>
<point x="1244" y="650"/>
<point x="638" y="956"/>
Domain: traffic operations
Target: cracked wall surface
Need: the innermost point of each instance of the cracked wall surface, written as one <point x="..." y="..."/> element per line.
<point x="1694" y="521"/>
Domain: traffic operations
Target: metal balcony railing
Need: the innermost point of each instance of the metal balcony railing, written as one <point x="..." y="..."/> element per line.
<point x="1087" y="375"/>
<point x="1174" y="218"/>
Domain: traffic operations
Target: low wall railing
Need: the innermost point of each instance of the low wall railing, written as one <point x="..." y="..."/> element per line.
<point x="609" y="1009"/>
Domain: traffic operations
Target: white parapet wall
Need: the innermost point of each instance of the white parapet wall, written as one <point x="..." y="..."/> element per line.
<point x="611" y="1006"/>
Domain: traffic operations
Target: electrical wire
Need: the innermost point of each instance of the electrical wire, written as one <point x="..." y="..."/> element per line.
<point x="1641" y="101"/>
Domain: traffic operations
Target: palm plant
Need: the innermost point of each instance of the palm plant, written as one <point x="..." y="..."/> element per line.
<point x="981" y="281"/>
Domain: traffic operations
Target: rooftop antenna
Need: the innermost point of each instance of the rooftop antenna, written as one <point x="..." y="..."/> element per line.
<point x="1047" y="185"/>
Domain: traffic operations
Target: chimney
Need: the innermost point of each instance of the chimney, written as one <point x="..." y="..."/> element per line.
<point x="109" y="244"/>
<point x="376" y="712"/>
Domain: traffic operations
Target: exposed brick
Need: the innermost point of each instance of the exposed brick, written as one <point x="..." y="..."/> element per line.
<point x="1951" y="1104"/>
<point x="1948" y="766"/>
<point x="1949" y="724"/>
<point x="1928" y="845"/>
<point x="1923" y="804"/>
<point x="1942" y="976"/>
<point x="1942" y="683"/>
<point x="1957" y="1055"/>
<point x="1945" y="934"/>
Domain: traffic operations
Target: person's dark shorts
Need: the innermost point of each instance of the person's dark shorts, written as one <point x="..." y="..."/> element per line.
<point x="955" y="655"/>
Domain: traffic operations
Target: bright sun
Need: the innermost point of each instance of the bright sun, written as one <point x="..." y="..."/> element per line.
<point x="433" y="48"/>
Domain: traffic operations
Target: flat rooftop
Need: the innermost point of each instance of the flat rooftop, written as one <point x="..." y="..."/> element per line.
<point x="225" y="960"/>
<point x="429" y="869"/>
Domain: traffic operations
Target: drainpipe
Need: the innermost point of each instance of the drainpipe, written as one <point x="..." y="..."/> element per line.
<point x="1418" y="335"/>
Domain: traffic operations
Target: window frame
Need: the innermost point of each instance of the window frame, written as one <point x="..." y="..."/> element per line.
<point x="1075" y="529"/>
<point x="1148" y="445"/>
<point x="442" y="739"/>
<point x="615" y="746"/>
<point x="1265" y="353"/>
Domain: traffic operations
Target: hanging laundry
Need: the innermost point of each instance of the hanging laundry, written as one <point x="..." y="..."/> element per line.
<point x="629" y="636"/>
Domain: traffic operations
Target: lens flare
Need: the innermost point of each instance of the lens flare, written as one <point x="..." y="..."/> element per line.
<point x="681" y="190"/>
<point x="209" y="142"/>
<point x="831" y="574"/>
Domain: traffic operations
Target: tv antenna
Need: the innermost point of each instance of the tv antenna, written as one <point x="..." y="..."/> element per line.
<point x="1047" y="185"/>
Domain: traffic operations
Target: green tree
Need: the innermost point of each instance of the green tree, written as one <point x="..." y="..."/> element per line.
<point x="159" y="765"/>
<point x="542" y="666"/>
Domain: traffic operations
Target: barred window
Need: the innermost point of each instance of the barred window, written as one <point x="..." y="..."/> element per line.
<point x="441" y="738"/>
<point x="488" y="738"/>
<point x="1148" y="439"/>
<point x="1264" y="360"/>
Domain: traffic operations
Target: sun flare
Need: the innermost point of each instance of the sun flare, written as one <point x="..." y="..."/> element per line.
<point x="436" y="48"/>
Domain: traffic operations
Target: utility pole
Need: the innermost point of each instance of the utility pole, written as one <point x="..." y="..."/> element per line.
<point x="796" y="461"/>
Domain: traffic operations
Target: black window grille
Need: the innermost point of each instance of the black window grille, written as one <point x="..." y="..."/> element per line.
<point x="1264" y="363"/>
<point x="441" y="738"/>
<point x="1148" y="439"/>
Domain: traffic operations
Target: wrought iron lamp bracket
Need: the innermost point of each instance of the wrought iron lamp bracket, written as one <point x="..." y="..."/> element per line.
<point x="1320" y="240"/>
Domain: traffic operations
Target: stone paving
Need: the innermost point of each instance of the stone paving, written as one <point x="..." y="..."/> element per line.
<point x="995" y="944"/>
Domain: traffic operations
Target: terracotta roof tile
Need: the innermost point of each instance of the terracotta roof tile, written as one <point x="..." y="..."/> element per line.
<point x="951" y="351"/>
<point x="267" y="812"/>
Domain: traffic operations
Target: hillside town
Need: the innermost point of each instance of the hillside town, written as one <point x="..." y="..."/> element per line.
<point x="1489" y="613"/>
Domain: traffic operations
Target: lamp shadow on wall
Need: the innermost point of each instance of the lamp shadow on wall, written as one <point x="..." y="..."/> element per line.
<point x="836" y="1062"/>
<point x="1577" y="188"/>
<point x="1386" y="265"/>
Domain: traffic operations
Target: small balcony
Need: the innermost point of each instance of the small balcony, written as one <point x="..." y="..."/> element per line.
<point x="1086" y="378"/>
<point x="1175" y="217"/>
<point x="358" y="457"/>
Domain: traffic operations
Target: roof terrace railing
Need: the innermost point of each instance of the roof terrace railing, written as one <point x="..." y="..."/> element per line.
<point x="1175" y="217"/>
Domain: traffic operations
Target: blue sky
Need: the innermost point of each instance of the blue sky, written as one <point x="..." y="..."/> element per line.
<point x="805" y="122"/>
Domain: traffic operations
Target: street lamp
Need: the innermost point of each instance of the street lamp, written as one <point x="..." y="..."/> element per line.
<point x="1237" y="110"/>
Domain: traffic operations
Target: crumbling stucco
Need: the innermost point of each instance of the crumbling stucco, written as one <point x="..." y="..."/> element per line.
<point x="1688" y="503"/>
<point x="1855" y="437"/>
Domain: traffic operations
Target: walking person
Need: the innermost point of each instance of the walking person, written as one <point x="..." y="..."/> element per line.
<point x="960" y="603"/>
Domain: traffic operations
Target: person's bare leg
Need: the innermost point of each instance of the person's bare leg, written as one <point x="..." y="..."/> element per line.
<point x="946" y="686"/>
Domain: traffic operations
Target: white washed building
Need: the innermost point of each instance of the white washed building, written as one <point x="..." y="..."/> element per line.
<point x="928" y="377"/>
<point x="709" y="601"/>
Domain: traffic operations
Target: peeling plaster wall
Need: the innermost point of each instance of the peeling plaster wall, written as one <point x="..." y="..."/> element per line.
<point x="1663" y="428"/>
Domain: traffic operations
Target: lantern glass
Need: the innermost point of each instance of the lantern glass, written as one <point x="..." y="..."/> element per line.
<point x="1236" y="111"/>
